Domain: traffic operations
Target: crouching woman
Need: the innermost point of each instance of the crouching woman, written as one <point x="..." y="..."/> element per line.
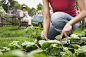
<point x="64" y="19"/>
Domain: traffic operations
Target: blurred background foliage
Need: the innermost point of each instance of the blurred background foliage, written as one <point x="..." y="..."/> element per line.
<point x="16" y="5"/>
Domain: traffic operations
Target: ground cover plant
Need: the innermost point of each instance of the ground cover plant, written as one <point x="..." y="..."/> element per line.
<point x="73" y="46"/>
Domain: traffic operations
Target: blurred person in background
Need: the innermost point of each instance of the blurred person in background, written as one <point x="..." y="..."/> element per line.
<point x="24" y="14"/>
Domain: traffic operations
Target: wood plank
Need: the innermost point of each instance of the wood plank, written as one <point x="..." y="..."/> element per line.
<point x="1" y="23"/>
<point x="7" y="23"/>
<point x="7" y="20"/>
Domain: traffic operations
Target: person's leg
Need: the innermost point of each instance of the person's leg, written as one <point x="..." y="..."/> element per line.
<point x="52" y="33"/>
<point x="29" y="22"/>
<point x="58" y="20"/>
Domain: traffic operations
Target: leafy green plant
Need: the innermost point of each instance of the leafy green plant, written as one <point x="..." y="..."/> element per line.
<point x="14" y="45"/>
<point x="73" y="46"/>
<point x="1" y="3"/>
<point x="33" y="32"/>
<point x="29" y="46"/>
<point x="14" y="53"/>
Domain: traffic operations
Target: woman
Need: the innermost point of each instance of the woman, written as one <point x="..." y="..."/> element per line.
<point x="64" y="19"/>
<point x="24" y="14"/>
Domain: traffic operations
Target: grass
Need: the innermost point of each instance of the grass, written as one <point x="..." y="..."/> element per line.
<point x="5" y="41"/>
<point x="11" y="31"/>
<point x="9" y="34"/>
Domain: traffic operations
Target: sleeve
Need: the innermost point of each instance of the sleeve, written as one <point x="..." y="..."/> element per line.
<point x="27" y="13"/>
<point x="21" y="14"/>
<point x="29" y="16"/>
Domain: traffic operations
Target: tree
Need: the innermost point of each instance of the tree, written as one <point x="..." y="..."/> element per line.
<point x="1" y="3"/>
<point x="5" y="6"/>
<point x="39" y="6"/>
<point x="17" y="5"/>
<point x="11" y="3"/>
<point x="31" y="11"/>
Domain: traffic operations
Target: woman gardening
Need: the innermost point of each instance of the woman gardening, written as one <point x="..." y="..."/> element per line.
<point x="64" y="19"/>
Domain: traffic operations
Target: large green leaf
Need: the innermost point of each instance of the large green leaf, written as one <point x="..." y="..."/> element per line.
<point x="32" y="53"/>
<point x="14" y="45"/>
<point x="14" y="53"/>
<point x="81" y="50"/>
<point x="27" y="45"/>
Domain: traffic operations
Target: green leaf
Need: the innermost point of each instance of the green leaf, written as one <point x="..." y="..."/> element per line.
<point x="81" y="50"/>
<point x="14" y="53"/>
<point x="32" y="53"/>
<point x="1" y="53"/>
<point x="14" y="45"/>
<point x="46" y="44"/>
<point x="6" y="48"/>
<point x="27" y="45"/>
<point x="74" y="36"/>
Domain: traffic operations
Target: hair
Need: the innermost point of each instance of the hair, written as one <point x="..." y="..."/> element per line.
<point x="25" y="8"/>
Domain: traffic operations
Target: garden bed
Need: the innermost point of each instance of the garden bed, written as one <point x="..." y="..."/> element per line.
<point x="73" y="46"/>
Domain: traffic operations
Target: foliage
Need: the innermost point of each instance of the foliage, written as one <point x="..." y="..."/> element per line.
<point x="51" y="48"/>
<point x="9" y="34"/>
<point x="77" y="6"/>
<point x="11" y="31"/>
<point x="29" y="46"/>
<point x="73" y="46"/>
<point x="17" y="5"/>
<point x="31" y="11"/>
<point x="14" y="53"/>
<point x="14" y="45"/>
<point x="1" y="3"/>
<point x="5" y="6"/>
<point x="33" y="32"/>
<point x="39" y="6"/>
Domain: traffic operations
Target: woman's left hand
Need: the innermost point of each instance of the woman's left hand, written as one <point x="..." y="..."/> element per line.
<point x="66" y="30"/>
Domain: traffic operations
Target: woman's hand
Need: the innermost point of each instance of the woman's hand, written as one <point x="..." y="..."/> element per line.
<point x="42" y="35"/>
<point x="66" y="30"/>
<point x="25" y="15"/>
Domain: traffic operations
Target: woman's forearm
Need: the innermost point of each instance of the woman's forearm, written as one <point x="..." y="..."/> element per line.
<point x="46" y="22"/>
<point x="46" y="25"/>
<point x="78" y="18"/>
<point x="81" y="15"/>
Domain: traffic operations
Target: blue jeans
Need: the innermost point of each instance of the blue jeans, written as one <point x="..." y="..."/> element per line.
<point x="58" y="21"/>
<point x="2" y="19"/>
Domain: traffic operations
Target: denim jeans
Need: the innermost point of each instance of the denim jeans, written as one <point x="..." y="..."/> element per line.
<point x="58" y="21"/>
<point x="2" y="19"/>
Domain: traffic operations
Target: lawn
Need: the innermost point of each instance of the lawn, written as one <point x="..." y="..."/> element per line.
<point x="12" y="33"/>
<point x="9" y="34"/>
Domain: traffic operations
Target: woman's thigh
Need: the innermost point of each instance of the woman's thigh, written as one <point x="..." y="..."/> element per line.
<point x="59" y="20"/>
<point x="26" y="19"/>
